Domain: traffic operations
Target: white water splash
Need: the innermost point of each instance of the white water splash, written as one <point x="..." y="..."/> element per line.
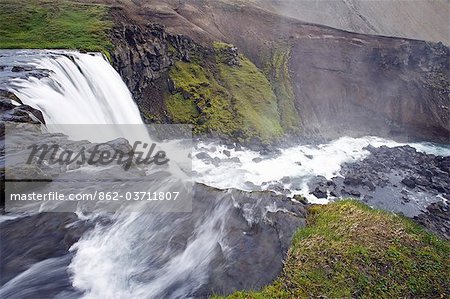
<point x="135" y="257"/>
<point x="299" y="163"/>
<point x="130" y="257"/>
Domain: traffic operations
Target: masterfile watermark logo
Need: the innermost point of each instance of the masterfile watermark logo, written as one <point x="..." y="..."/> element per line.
<point x="98" y="167"/>
<point x="100" y="154"/>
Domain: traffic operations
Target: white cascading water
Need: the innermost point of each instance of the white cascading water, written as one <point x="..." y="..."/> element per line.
<point x="110" y="260"/>
<point x="113" y="260"/>
<point x="80" y="89"/>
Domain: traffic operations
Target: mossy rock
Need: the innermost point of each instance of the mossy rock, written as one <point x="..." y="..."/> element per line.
<point x="277" y="70"/>
<point x="233" y="100"/>
<point x="199" y="100"/>
<point x="254" y="99"/>
<point x="349" y="250"/>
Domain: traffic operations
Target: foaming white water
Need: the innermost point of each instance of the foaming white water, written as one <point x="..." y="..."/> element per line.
<point x="298" y="163"/>
<point x="140" y="255"/>
<point x="136" y="254"/>
<point x="80" y="89"/>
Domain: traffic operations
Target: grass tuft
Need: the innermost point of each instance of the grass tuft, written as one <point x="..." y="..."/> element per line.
<point x="349" y="250"/>
<point x="53" y="24"/>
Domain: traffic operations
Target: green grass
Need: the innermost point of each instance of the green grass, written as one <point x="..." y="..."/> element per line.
<point x="351" y="251"/>
<point x="53" y="24"/>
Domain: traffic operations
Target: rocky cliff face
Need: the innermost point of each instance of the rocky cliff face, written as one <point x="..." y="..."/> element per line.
<point x="319" y="81"/>
<point x="174" y="79"/>
<point x="358" y="85"/>
<point x="143" y="55"/>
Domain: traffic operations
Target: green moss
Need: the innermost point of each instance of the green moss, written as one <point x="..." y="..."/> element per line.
<point x="349" y="250"/>
<point x="235" y="101"/>
<point x="52" y="24"/>
<point x="200" y="100"/>
<point x="255" y="101"/>
<point x="220" y="45"/>
<point x="277" y="69"/>
<point x="181" y="111"/>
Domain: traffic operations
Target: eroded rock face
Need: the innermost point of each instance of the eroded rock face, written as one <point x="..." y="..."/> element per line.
<point x="143" y="55"/>
<point x="348" y="84"/>
<point x="22" y="113"/>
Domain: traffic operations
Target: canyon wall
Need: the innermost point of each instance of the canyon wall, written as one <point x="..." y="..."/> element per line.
<point x="321" y="82"/>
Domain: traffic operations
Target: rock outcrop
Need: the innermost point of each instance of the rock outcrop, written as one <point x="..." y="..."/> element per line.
<point x="257" y="235"/>
<point x="177" y="80"/>
<point x="398" y="179"/>
<point x="436" y="218"/>
<point x="143" y="55"/>
<point x="18" y="113"/>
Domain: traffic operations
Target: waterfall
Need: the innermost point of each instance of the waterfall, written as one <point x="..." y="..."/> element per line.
<point x="135" y="254"/>
<point x="79" y="89"/>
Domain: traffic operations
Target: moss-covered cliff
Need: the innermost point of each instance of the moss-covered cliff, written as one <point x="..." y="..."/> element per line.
<point x="227" y="95"/>
<point x="214" y="87"/>
<point x="277" y="70"/>
<point x="286" y="77"/>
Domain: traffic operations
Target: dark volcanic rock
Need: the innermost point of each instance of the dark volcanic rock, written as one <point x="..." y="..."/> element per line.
<point x="396" y="179"/>
<point x="203" y="156"/>
<point x="21" y="113"/>
<point x="257" y="159"/>
<point x="229" y="55"/>
<point x="436" y="218"/>
<point x="409" y="182"/>
<point x="17" y="69"/>
<point x="320" y="192"/>
<point x="258" y="231"/>
<point x="31" y="239"/>
<point x="143" y="55"/>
